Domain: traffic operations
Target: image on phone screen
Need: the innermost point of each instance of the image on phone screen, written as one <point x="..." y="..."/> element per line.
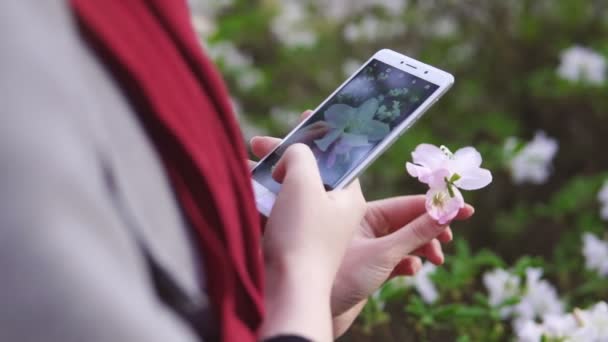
<point x="347" y="128"/>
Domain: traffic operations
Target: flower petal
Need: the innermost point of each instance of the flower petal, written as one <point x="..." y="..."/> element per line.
<point x="429" y="156"/>
<point x="339" y="114"/>
<point x="417" y="170"/>
<point x="375" y="130"/>
<point x="474" y="179"/>
<point x="328" y="139"/>
<point x="436" y="178"/>
<point x="366" y="111"/>
<point x="464" y="159"/>
<point x="448" y="207"/>
<point x="353" y="140"/>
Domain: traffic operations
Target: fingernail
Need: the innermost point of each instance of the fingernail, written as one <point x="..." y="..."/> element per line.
<point x="252" y="140"/>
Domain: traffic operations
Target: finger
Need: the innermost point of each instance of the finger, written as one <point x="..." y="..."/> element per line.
<point x="409" y="266"/>
<point x="305" y="115"/>
<point x="445" y="236"/>
<point x="393" y="213"/>
<point x="261" y="146"/>
<point x="352" y="194"/>
<point x="431" y="251"/>
<point x="297" y="170"/>
<point x="414" y="235"/>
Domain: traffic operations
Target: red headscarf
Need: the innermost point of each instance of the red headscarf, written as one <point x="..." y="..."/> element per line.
<point x="155" y="56"/>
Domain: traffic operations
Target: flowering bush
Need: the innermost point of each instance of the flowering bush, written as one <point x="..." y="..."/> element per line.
<point x="530" y="95"/>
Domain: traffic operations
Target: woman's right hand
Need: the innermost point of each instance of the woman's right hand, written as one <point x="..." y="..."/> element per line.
<point x="306" y="236"/>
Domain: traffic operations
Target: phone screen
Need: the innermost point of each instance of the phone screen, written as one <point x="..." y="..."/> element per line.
<point x="347" y="128"/>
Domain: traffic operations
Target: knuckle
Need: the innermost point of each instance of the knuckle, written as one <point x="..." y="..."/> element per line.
<point x="418" y="233"/>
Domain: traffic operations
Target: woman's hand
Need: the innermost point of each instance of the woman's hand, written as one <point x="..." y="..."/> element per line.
<point x="306" y="236"/>
<point x="393" y="233"/>
<point x="389" y="241"/>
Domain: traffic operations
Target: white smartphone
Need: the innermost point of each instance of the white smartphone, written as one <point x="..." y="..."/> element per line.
<point x="359" y="121"/>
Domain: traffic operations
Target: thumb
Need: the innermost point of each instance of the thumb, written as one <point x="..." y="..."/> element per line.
<point x="415" y="234"/>
<point x="297" y="170"/>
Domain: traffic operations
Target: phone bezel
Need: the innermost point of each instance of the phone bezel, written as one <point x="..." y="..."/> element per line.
<point x="442" y="79"/>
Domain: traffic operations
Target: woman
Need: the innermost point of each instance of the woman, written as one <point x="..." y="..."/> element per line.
<point x="127" y="212"/>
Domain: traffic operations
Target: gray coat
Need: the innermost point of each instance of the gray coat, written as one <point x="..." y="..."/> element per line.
<point x="70" y="266"/>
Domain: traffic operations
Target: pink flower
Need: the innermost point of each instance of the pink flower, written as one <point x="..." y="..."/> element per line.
<point x="445" y="173"/>
<point x="465" y="163"/>
<point x="443" y="201"/>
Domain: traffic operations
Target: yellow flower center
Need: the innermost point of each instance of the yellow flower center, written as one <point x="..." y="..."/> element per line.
<point x="439" y="199"/>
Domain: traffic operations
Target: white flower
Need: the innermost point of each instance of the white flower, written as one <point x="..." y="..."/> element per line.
<point x="589" y="325"/>
<point x="203" y="25"/>
<point x="501" y="285"/>
<point x="444" y="26"/>
<point x="204" y="14"/>
<point x="340" y="9"/>
<point x="228" y="54"/>
<point x="287" y="119"/>
<point x="423" y="283"/>
<point x="529" y="331"/>
<point x="290" y="26"/>
<point x="594" y="323"/>
<point x="539" y="299"/>
<point x="249" y="78"/>
<point x="350" y="66"/>
<point x="602" y="197"/>
<point x="533" y="163"/>
<point x="370" y="28"/>
<point x="582" y="64"/>
<point x="596" y="254"/>
<point x="559" y="326"/>
<point x="240" y="64"/>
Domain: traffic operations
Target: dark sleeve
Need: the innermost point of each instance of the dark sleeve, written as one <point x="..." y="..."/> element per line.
<point x="287" y="338"/>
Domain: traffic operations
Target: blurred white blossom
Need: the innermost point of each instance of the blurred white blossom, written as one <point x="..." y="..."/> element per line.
<point x="444" y="26"/>
<point x="539" y="299"/>
<point x="533" y="162"/>
<point x="602" y="197"/>
<point x="204" y="14"/>
<point x="350" y="66"/>
<point x="596" y="254"/>
<point x="501" y="285"/>
<point x="423" y="283"/>
<point x="239" y="64"/>
<point x="285" y="118"/>
<point x="290" y="26"/>
<point x="582" y="64"/>
<point x="340" y="9"/>
<point x="370" y="28"/>
<point x="589" y="325"/>
<point x="529" y="331"/>
<point x="228" y="54"/>
<point x="249" y="78"/>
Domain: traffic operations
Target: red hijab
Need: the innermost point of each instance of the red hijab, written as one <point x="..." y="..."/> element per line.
<point x="155" y="56"/>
